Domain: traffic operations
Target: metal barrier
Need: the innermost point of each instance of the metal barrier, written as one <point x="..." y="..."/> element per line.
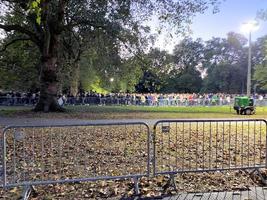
<point x="40" y="155"/>
<point x="209" y="145"/>
<point x="113" y="100"/>
<point x="18" y="101"/>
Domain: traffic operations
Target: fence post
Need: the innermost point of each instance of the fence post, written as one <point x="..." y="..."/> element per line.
<point x="136" y="186"/>
<point x="154" y="149"/>
<point x="151" y="153"/>
<point x="4" y="157"/>
<point x="26" y="192"/>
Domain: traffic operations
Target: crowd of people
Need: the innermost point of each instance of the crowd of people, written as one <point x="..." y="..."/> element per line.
<point x="149" y="99"/>
<point x="18" y="98"/>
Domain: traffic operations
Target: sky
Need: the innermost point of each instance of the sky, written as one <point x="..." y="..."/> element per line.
<point x="232" y="14"/>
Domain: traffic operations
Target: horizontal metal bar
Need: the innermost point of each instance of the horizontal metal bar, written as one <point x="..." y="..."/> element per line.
<point x="74" y="125"/>
<point x="208" y="120"/>
<point x="210" y="170"/>
<point x="75" y="180"/>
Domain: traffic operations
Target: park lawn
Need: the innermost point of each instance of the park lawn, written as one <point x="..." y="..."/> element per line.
<point x="133" y="112"/>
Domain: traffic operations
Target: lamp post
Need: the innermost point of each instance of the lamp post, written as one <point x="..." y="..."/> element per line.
<point x="248" y="27"/>
<point x="249" y="66"/>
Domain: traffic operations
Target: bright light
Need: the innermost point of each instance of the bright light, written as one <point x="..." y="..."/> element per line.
<point x="250" y="26"/>
<point x="111" y="79"/>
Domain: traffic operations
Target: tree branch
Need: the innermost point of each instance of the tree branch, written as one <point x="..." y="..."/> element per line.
<point x="12" y="42"/>
<point x="32" y="36"/>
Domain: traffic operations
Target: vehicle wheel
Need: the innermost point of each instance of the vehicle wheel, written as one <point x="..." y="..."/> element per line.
<point x="248" y="112"/>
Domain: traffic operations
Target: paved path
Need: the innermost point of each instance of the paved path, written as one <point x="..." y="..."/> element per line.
<point x="254" y="193"/>
<point x="5" y="121"/>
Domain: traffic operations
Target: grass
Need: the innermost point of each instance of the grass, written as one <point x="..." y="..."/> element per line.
<point x="131" y="112"/>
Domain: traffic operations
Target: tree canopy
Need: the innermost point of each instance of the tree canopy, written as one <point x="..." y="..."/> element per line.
<point x="66" y="46"/>
<point x="62" y="30"/>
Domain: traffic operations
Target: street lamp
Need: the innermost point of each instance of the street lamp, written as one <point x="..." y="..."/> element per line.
<point x="249" y="27"/>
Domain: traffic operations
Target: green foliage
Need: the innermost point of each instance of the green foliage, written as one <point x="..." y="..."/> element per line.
<point x="130" y="74"/>
<point x="184" y="74"/>
<point x="34" y="7"/>
<point x="53" y="26"/>
<point x="225" y="78"/>
<point x="106" y="39"/>
<point x="226" y="64"/>
<point x="260" y="76"/>
<point x="18" y="67"/>
<point x="187" y="82"/>
<point x="155" y="67"/>
<point x="90" y="80"/>
<point x="260" y="73"/>
<point x="121" y="77"/>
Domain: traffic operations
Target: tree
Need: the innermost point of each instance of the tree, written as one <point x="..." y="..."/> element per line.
<point x="43" y="25"/>
<point x="14" y="62"/>
<point x="185" y="74"/>
<point x="44" y="21"/>
<point x="101" y="62"/>
<point x="226" y="64"/>
<point x="155" y="66"/>
<point x="225" y="78"/>
<point x="260" y="74"/>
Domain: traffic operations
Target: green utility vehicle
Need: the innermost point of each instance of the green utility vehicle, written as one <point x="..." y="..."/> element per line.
<point x="244" y="105"/>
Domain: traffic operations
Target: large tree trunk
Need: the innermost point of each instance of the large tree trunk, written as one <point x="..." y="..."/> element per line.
<point x="53" y="23"/>
<point x="49" y="88"/>
<point x="48" y="76"/>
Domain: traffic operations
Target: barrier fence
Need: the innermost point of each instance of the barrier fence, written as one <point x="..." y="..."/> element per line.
<point x="41" y="155"/>
<point x="27" y="101"/>
<point x="209" y="145"/>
